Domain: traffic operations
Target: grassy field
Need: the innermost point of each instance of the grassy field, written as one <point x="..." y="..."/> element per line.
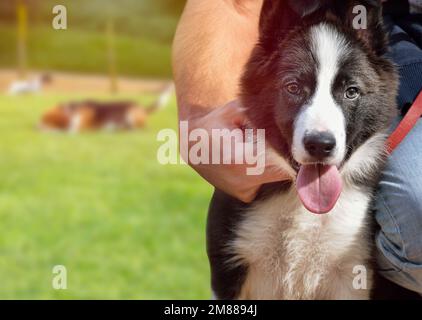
<point x="86" y="51"/>
<point x="99" y="203"/>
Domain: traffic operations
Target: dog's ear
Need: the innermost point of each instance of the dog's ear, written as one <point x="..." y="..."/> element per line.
<point x="364" y="19"/>
<point x="277" y="19"/>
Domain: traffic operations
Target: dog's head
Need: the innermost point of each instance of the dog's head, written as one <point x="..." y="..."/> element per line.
<point x="319" y="84"/>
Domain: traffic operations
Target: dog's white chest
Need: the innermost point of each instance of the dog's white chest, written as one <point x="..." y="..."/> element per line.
<point x="294" y="254"/>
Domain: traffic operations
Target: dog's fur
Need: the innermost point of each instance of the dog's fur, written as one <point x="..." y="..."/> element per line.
<point x="275" y="248"/>
<point x="95" y="115"/>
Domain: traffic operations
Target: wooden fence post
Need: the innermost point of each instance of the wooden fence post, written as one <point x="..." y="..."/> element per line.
<point x="22" y="37"/>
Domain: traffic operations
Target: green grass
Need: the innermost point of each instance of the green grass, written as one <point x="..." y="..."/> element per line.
<point x="124" y="226"/>
<point x="85" y="51"/>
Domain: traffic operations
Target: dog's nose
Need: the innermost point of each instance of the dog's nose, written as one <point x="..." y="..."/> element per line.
<point x="319" y="145"/>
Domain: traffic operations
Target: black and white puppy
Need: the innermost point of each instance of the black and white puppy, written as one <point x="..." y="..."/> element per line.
<point x="325" y="94"/>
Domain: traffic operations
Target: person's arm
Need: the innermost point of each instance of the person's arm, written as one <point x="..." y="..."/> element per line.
<point x="212" y="44"/>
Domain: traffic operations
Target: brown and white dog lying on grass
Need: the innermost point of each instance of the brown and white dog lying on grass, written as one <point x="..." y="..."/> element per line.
<point x="96" y="115"/>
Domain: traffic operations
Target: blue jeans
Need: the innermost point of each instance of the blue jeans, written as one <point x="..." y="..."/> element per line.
<point x="399" y="214"/>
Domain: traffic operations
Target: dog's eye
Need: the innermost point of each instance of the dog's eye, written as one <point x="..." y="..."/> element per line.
<point x="352" y="93"/>
<point x="293" y="88"/>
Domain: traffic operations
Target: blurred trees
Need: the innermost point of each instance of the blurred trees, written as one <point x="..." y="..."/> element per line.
<point x="135" y="34"/>
<point x="156" y="19"/>
<point x="172" y="6"/>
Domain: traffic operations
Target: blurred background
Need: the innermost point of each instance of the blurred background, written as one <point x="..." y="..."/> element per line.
<point x="96" y="201"/>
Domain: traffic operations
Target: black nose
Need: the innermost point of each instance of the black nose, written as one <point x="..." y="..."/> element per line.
<point x="319" y="145"/>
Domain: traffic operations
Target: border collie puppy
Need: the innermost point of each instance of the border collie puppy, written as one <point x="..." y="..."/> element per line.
<point x="325" y="94"/>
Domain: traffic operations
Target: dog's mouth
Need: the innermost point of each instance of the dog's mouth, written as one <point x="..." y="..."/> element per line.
<point x="318" y="185"/>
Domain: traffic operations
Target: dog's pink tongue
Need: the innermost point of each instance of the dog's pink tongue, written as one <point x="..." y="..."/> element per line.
<point x="319" y="187"/>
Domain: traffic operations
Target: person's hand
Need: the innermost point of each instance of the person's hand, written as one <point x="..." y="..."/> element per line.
<point x="232" y="178"/>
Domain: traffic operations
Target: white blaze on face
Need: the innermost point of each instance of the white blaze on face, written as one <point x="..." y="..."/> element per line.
<point x="322" y="113"/>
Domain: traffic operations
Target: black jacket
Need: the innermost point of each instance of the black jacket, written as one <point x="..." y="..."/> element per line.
<point x="405" y="30"/>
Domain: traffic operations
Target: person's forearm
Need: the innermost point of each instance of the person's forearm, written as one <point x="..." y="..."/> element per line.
<point x="212" y="44"/>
